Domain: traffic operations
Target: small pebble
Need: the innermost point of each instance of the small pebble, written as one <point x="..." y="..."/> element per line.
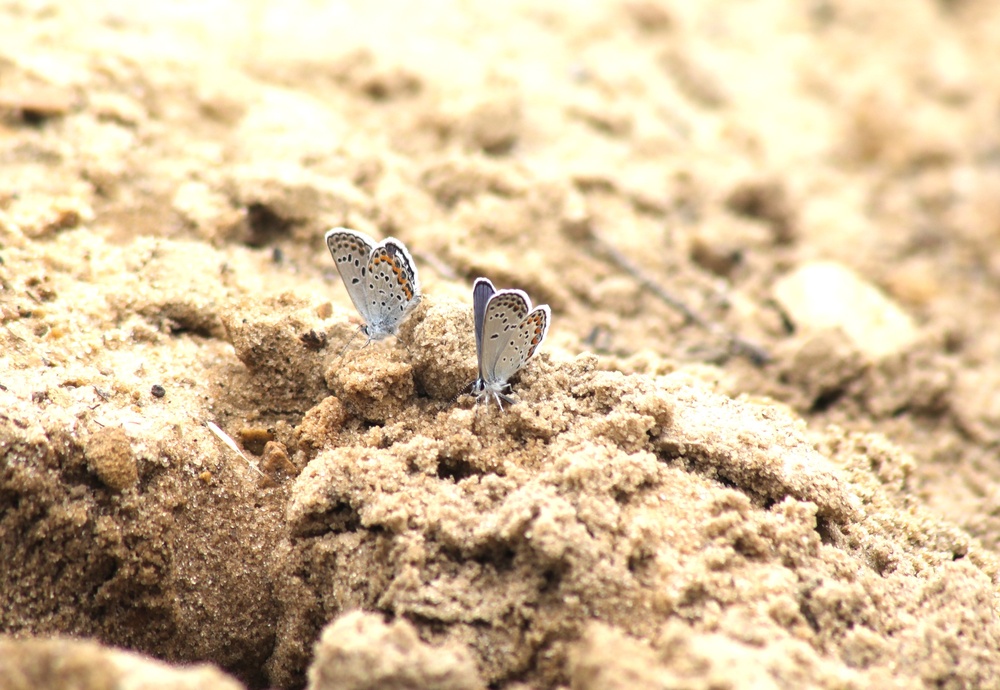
<point x="313" y="339"/>
<point x="158" y="391"/>
<point x="822" y="295"/>
<point x="109" y="456"/>
<point x="276" y="460"/>
<point x="254" y="438"/>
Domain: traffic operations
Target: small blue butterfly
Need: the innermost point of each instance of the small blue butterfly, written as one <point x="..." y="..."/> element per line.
<point x="508" y="333"/>
<point x="381" y="279"/>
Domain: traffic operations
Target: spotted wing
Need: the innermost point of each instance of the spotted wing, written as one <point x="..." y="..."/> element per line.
<point x="392" y="288"/>
<point x="482" y="291"/>
<point x="529" y="334"/>
<point x="351" y="252"/>
<point x="498" y="361"/>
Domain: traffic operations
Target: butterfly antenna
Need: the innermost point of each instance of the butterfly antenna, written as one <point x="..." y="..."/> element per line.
<point x="465" y="390"/>
<point x="350" y="340"/>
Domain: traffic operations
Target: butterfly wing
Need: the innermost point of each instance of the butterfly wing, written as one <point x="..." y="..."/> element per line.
<point x="409" y="281"/>
<point x="530" y="333"/>
<point x="482" y="291"/>
<point x="392" y="288"/>
<point x="504" y="313"/>
<point x="351" y="252"/>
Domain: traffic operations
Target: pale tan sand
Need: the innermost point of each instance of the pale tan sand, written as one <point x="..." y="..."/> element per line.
<point x="655" y="512"/>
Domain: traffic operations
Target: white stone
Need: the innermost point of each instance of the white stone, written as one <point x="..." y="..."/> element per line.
<point x="827" y="295"/>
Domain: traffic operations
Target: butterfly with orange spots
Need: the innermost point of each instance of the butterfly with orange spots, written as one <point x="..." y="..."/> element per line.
<point x="381" y="279"/>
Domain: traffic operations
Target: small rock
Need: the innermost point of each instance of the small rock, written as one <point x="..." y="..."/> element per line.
<point x="109" y="456"/>
<point x="255" y="438"/>
<point x="276" y="460"/>
<point x="314" y="339"/>
<point x="824" y="294"/>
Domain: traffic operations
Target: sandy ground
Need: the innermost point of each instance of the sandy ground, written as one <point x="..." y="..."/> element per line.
<point x="663" y="508"/>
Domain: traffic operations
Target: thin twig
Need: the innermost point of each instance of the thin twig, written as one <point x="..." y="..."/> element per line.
<point x="737" y="345"/>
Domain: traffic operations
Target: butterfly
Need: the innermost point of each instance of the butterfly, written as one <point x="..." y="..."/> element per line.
<point x="381" y="279"/>
<point x="508" y="333"/>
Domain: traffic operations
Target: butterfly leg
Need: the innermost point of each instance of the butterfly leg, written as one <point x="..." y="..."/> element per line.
<point x="505" y="395"/>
